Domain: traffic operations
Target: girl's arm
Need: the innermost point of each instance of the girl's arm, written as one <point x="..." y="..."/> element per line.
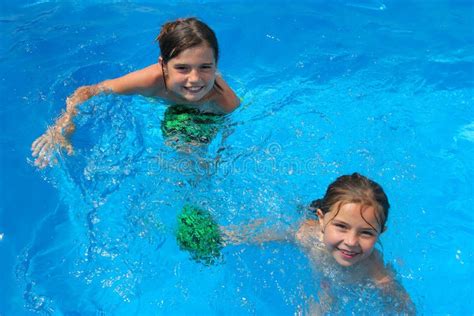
<point x="145" y="81"/>
<point x="254" y="232"/>
<point x="396" y="299"/>
<point x="57" y="135"/>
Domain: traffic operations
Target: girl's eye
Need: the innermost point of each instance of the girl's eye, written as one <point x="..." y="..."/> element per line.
<point x="368" y="233"/>
<point x="340" y="226"/>
<point x="181" y="68"/>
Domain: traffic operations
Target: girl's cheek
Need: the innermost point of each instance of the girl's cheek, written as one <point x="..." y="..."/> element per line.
<point x="371" y="246"/>
<point x="175" y="76"/>
<point x="210" y="78"/>
<point x="327" y="240"/>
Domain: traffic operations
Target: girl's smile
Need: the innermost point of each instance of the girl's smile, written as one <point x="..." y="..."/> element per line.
<point x="347" y="253"/>
<point x="191" y="74"/>
<point x="350" y="232"/>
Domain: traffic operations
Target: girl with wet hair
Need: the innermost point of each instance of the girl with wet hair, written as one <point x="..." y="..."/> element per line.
<point x="351" y="217"/>
<point x="341" y="241"/>
<point x="185" y="74"/>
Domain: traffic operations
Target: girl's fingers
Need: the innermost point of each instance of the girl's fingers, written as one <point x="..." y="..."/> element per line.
<point x="45" y="155"/>
<point x="43" y="163"/>
<point x="33" y="145"/>
<point x="42" y="160"/>
<point x="43" y="144"/>
<point x="40" y="141"/>
<point x="69" y="149"/>
<point x="42" y="150"/>
<point x="44" y="147"/>
<point x="37" y="143"/>
<point x="39" y="162"/>
<point x="37" y="146"/>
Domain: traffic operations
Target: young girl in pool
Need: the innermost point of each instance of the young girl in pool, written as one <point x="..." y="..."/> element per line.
<point x="341" y="241"/>
<point x="185" y="74"/>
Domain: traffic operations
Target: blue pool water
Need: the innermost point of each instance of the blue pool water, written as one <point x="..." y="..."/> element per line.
<point x="384" y="88"/>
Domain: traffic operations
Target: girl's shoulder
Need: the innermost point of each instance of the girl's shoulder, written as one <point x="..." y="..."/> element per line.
<point x="309" y="224"/>
<point x="223" y="96"/>
<point x="154" y="80"/>
<point x="308" y="232"/>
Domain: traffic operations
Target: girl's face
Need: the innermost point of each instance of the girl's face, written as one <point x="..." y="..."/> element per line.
<point x="191" y="74"/>
<point x="348" y="237"/>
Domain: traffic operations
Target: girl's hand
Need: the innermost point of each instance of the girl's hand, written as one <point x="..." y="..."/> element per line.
<point x="53" y="141"/>
<point x="57" y="137"/>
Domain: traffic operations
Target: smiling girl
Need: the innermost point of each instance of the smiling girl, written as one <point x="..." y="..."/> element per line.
<point x="340" y="242"/>
<point x="186" y="74"/>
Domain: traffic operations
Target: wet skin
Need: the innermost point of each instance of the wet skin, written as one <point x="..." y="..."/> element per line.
<point x="349" y="237"/>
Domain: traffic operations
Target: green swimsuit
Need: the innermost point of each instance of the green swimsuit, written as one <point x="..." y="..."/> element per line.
<point x="190" y="126"/>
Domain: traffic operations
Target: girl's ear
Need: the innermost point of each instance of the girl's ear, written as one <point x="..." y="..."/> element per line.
<point x="163" y="66"/>
<point x="320" y="217"/>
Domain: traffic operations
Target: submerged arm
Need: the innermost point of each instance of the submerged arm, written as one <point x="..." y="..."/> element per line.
<point x="396" y="299"/>
<point x="255" y="232"/>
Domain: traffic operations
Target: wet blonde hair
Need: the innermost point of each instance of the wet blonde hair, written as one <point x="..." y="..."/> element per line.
<point x="355" y="188"/>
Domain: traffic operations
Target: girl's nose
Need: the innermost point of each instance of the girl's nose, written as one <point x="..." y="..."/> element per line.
<point x="351" y="239"/>
<point x="194" y="76"/>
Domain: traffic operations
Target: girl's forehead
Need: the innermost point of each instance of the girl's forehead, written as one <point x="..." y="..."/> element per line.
<point x="355" y="213"/>
<point x="200" y="53"/>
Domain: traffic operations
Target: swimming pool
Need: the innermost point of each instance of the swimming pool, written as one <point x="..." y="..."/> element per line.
<point x="380" y="87"/>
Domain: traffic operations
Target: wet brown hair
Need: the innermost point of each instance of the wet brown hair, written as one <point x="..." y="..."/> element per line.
<point x="181" y="34"/>
<point x="355" y="188"/>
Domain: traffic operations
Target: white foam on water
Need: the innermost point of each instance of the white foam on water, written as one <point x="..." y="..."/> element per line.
<point x="467" y="132"/>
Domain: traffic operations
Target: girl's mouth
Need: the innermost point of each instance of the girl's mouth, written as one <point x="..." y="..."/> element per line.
<point x="347" y="254"/>
<point x="194" y="89"/>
